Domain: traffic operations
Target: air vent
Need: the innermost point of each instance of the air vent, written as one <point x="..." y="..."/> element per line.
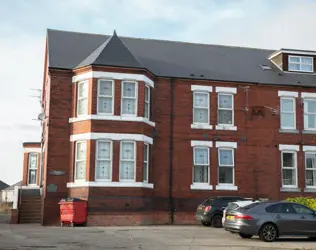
<point x="265" y="67"/>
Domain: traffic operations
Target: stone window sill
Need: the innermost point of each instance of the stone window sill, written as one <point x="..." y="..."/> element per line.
<point x="289" y="189"/>
<point x="226" y="127"/>
<point x="201" y="126"/>
<point x="289" y="131"/>
<point x="310" y="190"/>
<point x="110" y="184"/>
<point x="227" y="187"/>
<point x="201" y="187"/>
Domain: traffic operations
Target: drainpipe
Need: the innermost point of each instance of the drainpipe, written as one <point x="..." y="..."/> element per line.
<point x="171" y="202"/>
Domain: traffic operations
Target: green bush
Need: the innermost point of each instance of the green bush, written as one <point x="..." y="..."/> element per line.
<point x="307" y="201"/>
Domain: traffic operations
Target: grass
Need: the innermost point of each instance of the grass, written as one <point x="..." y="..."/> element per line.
<point x="5" y="208"/>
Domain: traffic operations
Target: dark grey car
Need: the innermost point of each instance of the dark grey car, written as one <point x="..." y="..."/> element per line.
<point x="270" y="220"/>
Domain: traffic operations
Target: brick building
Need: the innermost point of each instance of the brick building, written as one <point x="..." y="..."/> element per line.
<point x="146" y="129"/>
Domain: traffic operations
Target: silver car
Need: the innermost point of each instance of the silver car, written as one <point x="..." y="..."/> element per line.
<point x="270" y="220"/>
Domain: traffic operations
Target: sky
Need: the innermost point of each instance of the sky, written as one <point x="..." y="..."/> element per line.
<point x="270" y="24"/>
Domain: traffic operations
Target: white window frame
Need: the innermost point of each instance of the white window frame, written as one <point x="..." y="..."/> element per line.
<point x="197" y="107"/>
<point x="232" y="109"/>
<point x="286" y="112"/>
<point x="146" y="162"/>
<point x="295" y="168"/>
<point x="29" y="169"/>
<point x="147" y="102"/>
<point x="314" y="169"/>
<point x="81" y="98"/>
<point x="228" y="166"/>
<point x="134" y="98"/>
<point x="134" y="160"/>
<point x="107" y="96"/>
<point x="305" y="125"/>
<point x="300" y="63"/>
<point x="76" y="160"/>
<point x="207" y="165"/>
<point x="103" y="159"/>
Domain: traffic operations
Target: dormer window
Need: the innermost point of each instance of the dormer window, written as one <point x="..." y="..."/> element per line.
<point x="301" y="63"/>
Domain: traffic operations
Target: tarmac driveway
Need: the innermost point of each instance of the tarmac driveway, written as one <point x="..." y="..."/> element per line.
<point x="28" y="236"/>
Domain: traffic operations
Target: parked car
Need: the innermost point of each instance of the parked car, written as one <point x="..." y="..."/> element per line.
<point x="270" y="220"/>
<point x="235" y="205"/>
<point x="210" y="212"/>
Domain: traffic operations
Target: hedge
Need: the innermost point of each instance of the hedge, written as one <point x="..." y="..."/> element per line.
<point x="307" y="201"/>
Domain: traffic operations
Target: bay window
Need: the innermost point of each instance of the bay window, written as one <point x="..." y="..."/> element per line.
<point x="105" y="97"/>
<point x="80" y="160"/>
<point x="146" y="163"/>
<point x="129" y="98"/>
<point x="147" y="103"/>
<point x="82" y="98"/>
<point x="103" y="167"/>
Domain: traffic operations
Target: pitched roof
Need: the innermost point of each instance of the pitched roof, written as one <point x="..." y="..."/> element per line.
<point x="68" y="50"/>
<point x="12" y="186"/>
<point x="3" y="185"/>
<point x="112" y="52"/>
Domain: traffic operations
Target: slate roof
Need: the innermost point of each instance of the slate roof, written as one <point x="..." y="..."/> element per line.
<point x="70" y="50"/>
<point x="12" y="187"/>
<point x="3" y="185"/>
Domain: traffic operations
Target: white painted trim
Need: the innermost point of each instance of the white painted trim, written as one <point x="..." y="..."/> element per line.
<point x="226" y="127"/>
<point x="110" y="184"/>
<point x="30" y="187"/>
<point x="308" y="95"/>
<point x="309" y="148"/>
<point x="226" y="90"/>
<point x="16" y="197"/>
<point x="224" y="144"/>
<point x="201" y="88"/>
<point x="287" y="93"/>
<point x="201" y="144"/>
<point x="308" y="53"/>
<point x="112" y="118"/>
<point x="32" y="150"/>
<point x="226" y="187"/>
<point x="111" y="136"/>
<point x="201" y="186"/>
<point x="289" y="147"/>
<point x="201" y="126"/>
<point x="112" y="75"/>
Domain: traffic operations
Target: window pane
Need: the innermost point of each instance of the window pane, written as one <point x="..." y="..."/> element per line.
<point x="302" y="209"/>
<point x="80" y="170"/>
<point x="105" y="88"/>
<point x="225" y="157"/>
<point x="33" y="161"/>
<point x="81" y="151"/>
<point x="146" y="110"/>
<point x="294" y="59"/>
<point x="225" y="117"/>
<point x="287" y="120"/>
<point x="147" y="93"/>
<point x="225" y="101"/>
<point x="225" y="175"/>
<point x="200" y="115"/>
<point x="127" y="151"/>
<point x="105" y="105"/>
<point x="32" y="176"/>
<point x="310" y="121"/>
<point x="200" y="100"/>
<point x="145" y="152"/>
<point x="145" y="172"/>
<point x="310" y="106"/>
<point x="200" y="174"/>
<point x="129" y="106"/>
<point x="311" y="178"/>
<point x="83" y="106"/>
<point x="127" y="170"/>
<point x="288" y="160"/>
<point x="104" y="150"/>
<point x="294" y="67"/>
<point x="287" y="105"/>
<point x="288" y="177"/>
<point x="129" y="89"/>
<point x="201" y="156"/>
<point x="310" y="160"/>
<point x="103" y="170"/>
<point x="83" y="89"/>
<point x="306" y="60"/>
<point x="305" y="67"/>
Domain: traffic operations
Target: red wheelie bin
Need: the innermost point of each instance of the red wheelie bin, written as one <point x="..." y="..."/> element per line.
<point x="73" y="212"/>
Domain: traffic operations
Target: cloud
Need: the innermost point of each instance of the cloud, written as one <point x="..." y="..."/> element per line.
<point x="23" y="24"/>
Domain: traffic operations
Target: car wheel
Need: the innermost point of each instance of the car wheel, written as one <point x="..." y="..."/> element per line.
<point x="268" y="232"/>
<point x="217" y="221"/>
<point x="204" y="223"/>
<point x="245" y="236"/>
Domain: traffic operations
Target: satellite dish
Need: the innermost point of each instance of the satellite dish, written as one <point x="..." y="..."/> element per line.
<point x="41" y="116"/>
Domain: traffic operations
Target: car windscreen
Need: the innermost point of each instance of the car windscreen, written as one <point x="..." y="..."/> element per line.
<point x="208" y="201"/>
<point x="232" y="206"/>
<point x="252" y="205"/>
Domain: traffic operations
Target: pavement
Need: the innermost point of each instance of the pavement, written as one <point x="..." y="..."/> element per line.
<point x="31" y="236"/>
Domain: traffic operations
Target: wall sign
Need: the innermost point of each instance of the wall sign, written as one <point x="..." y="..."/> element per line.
<point x="56" y="172"/>
<point x="51" y="188"/>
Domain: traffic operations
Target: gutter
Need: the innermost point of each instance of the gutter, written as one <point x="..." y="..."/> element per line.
<point x="171" y="201"/>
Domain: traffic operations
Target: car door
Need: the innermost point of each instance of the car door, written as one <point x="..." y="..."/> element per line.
<point x="306" y="223"/>
<point x="284" y="215"/>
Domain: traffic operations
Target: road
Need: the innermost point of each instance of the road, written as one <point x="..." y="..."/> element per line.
<point x="29" y="236"/>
